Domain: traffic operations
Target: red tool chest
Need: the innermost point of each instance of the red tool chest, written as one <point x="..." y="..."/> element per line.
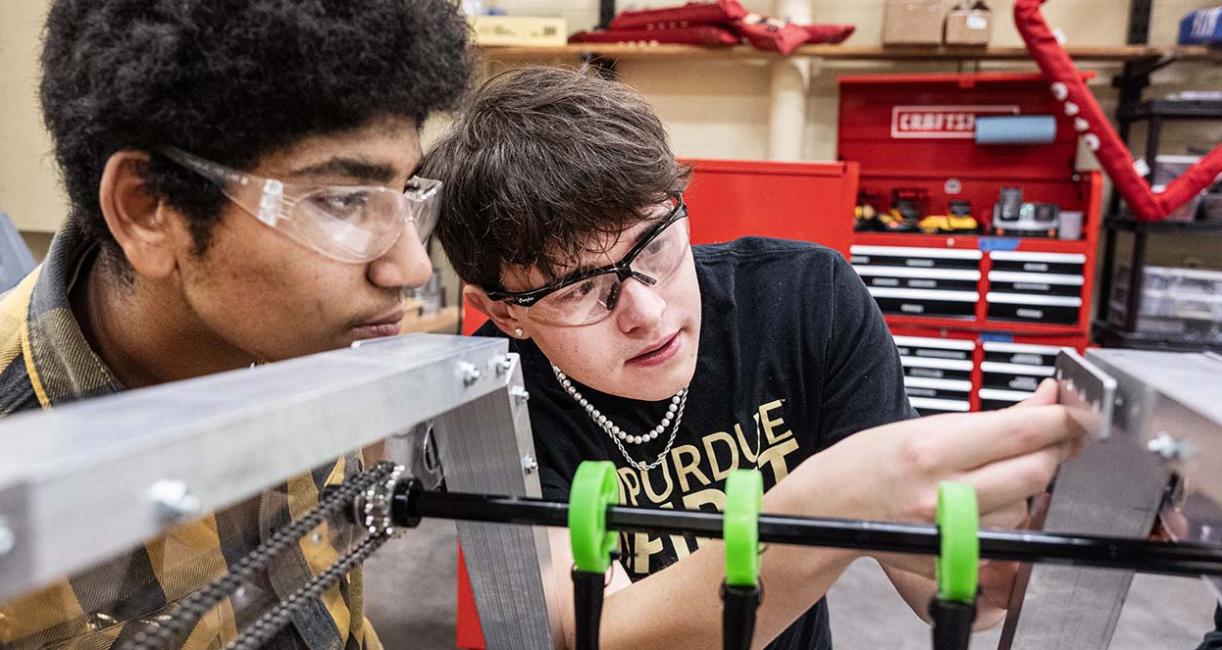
<point x="728" y="199"/>
<point x="978" y="319"/>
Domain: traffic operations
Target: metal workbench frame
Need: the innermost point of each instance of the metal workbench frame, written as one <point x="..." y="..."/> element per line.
<point x="75" y="483"/>
<point x="1166" y="420"/>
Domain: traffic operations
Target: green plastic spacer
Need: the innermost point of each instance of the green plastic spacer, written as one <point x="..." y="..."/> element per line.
<point x="958" y="522"/>
<point x="594" y="488"/>
<point x="741" y="530"/>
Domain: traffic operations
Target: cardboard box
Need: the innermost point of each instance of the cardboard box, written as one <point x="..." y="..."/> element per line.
<point x="969" y="24"/>
<point x="914" y="22"/>
<point x="520" y="31"/>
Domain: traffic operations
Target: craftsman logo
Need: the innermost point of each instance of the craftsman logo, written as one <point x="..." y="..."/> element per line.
<point x="938" y="122"/>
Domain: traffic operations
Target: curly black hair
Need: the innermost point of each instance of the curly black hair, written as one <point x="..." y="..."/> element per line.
<point x="233" y="80"/>
<point x="542" y="162"/>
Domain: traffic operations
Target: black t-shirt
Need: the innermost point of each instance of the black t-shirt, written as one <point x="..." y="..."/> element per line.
<point x="794" y="356"/>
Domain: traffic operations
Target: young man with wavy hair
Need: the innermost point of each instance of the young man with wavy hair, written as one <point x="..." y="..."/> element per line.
<point x="563" y="209"/>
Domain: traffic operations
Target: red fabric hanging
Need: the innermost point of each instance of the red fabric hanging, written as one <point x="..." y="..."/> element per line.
<point x="1093" y="125"/>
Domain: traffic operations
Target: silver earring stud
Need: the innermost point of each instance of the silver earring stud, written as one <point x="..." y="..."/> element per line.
<point x="517" y="331"/>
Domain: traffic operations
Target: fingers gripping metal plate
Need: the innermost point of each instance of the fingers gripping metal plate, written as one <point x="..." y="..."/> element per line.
<point x="1088" y="392"/>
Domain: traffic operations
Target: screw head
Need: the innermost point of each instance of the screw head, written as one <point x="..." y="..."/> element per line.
<point x="470" y="374"/>
<point x="504" y="365"/>
<point x="529" y="464"/>
<point x="173" y="501"/>
<point x="1169" y="448"/>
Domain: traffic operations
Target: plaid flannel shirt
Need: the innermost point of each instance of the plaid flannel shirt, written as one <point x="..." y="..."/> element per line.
<point x="45" y="360"/>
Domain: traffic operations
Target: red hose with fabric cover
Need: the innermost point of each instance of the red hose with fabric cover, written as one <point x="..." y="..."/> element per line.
<point x="1090" y="122"/>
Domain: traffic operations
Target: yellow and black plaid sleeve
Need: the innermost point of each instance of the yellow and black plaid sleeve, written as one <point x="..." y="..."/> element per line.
<point x="46" y="360"/>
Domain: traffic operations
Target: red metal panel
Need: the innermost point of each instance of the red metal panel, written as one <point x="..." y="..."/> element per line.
<point x="1033" y="329"/>
<point x="872" y="125"/>
<point x="469" y="635"/>
<point x="471" y="319"/>
<point x="1090" y="230"/>
<point x="813" y="202"/>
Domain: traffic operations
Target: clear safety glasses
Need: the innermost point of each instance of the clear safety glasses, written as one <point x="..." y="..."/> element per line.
<point x="349" y="223"/>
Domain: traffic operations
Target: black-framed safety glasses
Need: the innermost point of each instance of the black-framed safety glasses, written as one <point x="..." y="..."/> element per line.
<point x="590" y="295"/>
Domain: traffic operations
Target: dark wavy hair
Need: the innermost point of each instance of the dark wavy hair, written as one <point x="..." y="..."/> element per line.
<point x="232" y="80"/>
<point x="541" y="162"/>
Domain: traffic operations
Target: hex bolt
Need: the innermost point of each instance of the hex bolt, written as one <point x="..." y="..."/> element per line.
<point x="504" y="365"/>
<point x="173" y="501"/>
<point x="7" y="539"/>
<point x="529" y="464"/>
<point x="470" y="374"/>
<point x="520" y="395"/>
<point x="1168" y="447"/>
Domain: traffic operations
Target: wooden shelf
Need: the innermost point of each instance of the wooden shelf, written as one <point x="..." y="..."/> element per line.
<point x="841" y="52"/>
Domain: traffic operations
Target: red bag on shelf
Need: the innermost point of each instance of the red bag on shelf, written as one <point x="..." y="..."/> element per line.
<point x="831" y="34"/>
<point x="692" y="14"/>
<point x="701" y="35"/>
<point x="764" y="33"/>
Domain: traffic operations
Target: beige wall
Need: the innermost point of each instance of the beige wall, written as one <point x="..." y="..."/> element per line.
<point x="712" y="108"/>
<point x="29" y="185"/>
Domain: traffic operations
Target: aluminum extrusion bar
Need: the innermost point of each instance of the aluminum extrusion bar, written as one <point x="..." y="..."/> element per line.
<point x="75" y="482"/>
<point x="1165" y="418"/>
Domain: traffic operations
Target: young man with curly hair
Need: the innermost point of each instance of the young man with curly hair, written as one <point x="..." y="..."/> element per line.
<point x="242" y="189"/>
<point x="563" y="210"/>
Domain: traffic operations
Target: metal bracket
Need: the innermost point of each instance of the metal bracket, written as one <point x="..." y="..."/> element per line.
<point x="1089" y="393"/>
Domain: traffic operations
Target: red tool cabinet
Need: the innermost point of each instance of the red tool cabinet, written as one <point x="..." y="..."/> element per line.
<point x="978" y="319"/>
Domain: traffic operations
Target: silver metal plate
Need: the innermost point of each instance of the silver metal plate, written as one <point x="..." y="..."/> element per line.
<point x="1088" y="392"/>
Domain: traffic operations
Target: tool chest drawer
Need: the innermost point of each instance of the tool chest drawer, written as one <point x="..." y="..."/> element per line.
<point x="1029" y="262"/>
<point x="898" y="277"/>
<point x="915" y="257"/>
<point x="1035" y="287"/>
<point x="1043" y="284"/>
<point x="918" y="281"/>
<point x="937" y="373"/>
<point x="992" y="399"/>
<point x="1030" y="307"/>
<point x="1010" y="372"/>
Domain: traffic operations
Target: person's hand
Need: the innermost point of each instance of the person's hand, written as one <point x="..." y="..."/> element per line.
<point x="997" y="577"/>
<point x="892" y="472"/>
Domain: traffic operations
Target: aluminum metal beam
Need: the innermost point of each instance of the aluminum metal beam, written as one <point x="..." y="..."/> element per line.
<point x="1166" y="419"/>
<point x="75" y="483"/>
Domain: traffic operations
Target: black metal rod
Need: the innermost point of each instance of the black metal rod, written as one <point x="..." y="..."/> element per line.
<point x="738" y="614"/>
<point x="952" y="624"/>
<point x="1182" y="558"/>
<point x="588" y="589"/>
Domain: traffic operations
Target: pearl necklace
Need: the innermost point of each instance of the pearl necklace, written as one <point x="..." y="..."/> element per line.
<point x="674" y="413"/>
